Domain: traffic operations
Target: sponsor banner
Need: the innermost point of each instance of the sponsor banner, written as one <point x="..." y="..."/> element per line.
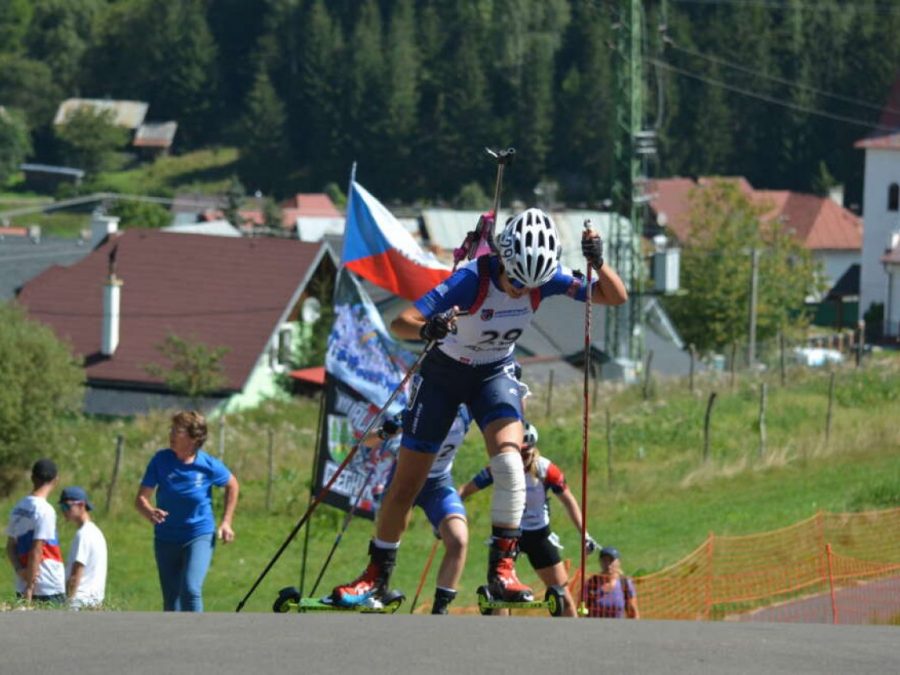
<point x="347" y="414"/>
<point x="361" y="353"/>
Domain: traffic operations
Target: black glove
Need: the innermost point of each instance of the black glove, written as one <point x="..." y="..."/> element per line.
<point x="437" y="327"/>
<point x="388" y="429"/>
<point x="592" y="248"/>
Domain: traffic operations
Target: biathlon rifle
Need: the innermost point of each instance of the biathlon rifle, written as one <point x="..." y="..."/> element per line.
<point x="481" y="239"/>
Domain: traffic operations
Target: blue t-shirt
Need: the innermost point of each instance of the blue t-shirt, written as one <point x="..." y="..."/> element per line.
<point x="185" y="491"/>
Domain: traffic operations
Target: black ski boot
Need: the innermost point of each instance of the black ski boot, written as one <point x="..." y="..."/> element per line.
<point x="442" y="599"/>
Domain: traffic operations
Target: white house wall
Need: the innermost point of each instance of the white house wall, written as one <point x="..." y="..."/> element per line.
<point x="835" y="263"/>
<point x="882" y="169"/>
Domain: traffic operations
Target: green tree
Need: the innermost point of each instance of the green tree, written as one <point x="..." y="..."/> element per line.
<point x="234" y="197"/>
<point x="27" y="85"/>
<point x="195" y="369"/>
<point x="15" y="142"/>
<point x="89" y="139"/>
<point x="15" y="17"/>
<point x="59" y="36"/>
<point x="471" y="196"/>
<point x="726" y="226"/>
<point x="42" y="384"/>
<point x="264" y="141"/>
<point x="315" y="107"/>
<point x="141" y="214"/>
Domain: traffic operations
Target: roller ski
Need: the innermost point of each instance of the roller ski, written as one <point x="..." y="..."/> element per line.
<point x="504" y="590"/>
<point x="289" y="600"/>
<point x="554" y="601"/>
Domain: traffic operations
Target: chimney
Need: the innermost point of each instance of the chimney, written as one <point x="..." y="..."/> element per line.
<point x="102" y="226"/>
<point x="112" y="293"/>
<point x="836" y="194"/>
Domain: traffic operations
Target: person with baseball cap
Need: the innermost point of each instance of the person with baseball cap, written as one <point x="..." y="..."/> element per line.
<point x="32" y="546"/>
<point x="611" y="594"/>
<point x="86" y="562"/>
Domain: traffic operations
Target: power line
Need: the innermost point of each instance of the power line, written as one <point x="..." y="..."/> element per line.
<point x="876" y="8"/>
<point x="781" y="80"/>
<point x="771" y="99"/>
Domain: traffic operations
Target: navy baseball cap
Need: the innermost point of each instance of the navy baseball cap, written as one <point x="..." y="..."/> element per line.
<point x="609" y="551"/>
<point x="73" y="493"/>
<point x="43" y="471"/>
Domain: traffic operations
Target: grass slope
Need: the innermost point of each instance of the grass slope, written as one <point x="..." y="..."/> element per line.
<point x="662" y="502"/>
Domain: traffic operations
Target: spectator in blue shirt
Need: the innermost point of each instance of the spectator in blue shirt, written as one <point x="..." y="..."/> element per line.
<point x="184" y="524"/>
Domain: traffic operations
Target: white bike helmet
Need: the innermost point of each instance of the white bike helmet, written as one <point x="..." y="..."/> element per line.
<point x="529" y="248"/>
<point x="531" y="436"/>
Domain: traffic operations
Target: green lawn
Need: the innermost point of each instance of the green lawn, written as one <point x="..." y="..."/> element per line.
<point x="662" y="503"/>
<point x="205" y="171"/>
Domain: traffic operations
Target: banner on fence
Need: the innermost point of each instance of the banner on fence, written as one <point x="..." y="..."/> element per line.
<point x="347" y="414"/>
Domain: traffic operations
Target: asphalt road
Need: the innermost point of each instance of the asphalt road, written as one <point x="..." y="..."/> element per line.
<point x="347" y="644"/>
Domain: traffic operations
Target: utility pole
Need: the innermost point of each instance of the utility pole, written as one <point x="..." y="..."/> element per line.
<point x="754" y="285"/>
<point x="630" y="145"/>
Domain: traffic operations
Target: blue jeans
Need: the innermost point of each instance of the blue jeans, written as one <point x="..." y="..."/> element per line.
<point x="182" y="570"/>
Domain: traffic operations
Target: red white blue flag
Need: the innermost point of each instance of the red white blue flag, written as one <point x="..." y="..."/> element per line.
<point x="379" y="249"/>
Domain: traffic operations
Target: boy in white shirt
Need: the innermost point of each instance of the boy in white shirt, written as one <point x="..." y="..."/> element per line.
<point x="86" y="562"/>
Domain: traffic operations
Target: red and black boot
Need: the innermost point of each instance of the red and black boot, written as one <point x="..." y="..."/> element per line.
<point x="372" y="583"/>
<point x="503" y="583"/>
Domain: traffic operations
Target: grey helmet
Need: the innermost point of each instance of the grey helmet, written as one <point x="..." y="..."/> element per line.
<point x="529" y="248"/>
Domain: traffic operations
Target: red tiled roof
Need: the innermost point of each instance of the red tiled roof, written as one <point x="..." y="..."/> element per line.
<point x="819" y="222"/>
<point x="220" y="291"/>
<point x="312" y="204"/>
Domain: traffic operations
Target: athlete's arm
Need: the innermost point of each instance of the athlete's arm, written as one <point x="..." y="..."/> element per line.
<point x="468" y="490"/>
<point x="571" y="505"/>
<point x="609" y="289"/>
<point x="408" y="324"/>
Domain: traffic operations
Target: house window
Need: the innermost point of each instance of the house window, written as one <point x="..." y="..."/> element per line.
<point x="285" y="338"/>
<point x="894" y="197"/>
<point x="280" y="350"/>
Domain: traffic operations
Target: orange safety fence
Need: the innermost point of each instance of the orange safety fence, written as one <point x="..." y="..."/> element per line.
<point x="830" y="568"/>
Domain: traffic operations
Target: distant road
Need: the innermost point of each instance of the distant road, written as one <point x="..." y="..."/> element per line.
<point x="350" y="644"/>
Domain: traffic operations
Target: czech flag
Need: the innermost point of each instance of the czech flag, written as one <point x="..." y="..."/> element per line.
<point x="378" y="249"/>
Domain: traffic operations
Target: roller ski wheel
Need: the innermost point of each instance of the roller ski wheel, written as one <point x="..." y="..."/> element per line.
<point x="484" y="600"/>
<point x="392" y="601"/>
<point x="555" y="600"/>
<point x="288" y="599"/>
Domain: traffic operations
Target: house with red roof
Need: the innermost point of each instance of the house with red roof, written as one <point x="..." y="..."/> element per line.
<point x="832" y="233"/>
<point x="119" y="304"/>
<point x="880" y="279"/>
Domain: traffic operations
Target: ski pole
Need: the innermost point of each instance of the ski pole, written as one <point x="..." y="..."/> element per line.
<point x="424" y="575"/>
<point x="585" y="428"/>
<point x="344" y="526"/>
<point x="324" y="491"/>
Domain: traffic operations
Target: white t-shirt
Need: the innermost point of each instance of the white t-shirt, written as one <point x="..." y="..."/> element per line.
<point x="33" y="518"/>
<point x="89" y="549"/>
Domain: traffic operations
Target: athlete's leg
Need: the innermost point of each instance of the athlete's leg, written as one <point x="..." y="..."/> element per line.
<point x="455" y="537"/>
<point x="409" y="477"/>
<point x="393" y="516"/>
<point x="503" y="438"/>
<point x="555" y="575"/>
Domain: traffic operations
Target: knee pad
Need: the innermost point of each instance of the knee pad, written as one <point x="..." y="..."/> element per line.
<point x="508" y="502"/>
